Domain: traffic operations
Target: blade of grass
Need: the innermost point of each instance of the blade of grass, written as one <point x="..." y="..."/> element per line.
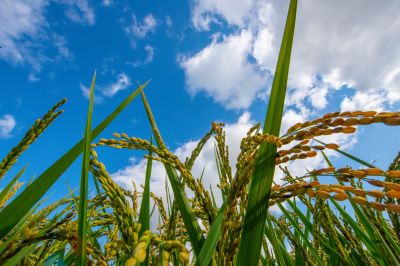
<point x="281" y="254"/>
<point x="297" y="229"/>
<point x="82" y="218"/>
<point x="351" y="156"/>
<point x="208" y="248"/>
<point x="260" y="188"/>
<point x="17" y="258"/>
<point x="188" y="216"/>
<point x="21" y="205"/>
<point x="93" y="240"/>
<point x="144" y="214"/>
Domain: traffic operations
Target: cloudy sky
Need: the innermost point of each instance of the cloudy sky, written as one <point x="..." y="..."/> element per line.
<point x="208" y="61"/>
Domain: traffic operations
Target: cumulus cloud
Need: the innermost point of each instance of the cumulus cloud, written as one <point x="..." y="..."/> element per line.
<point x="222" y="71"/>
<point x="364" y="100"/>
<point x="20" y="21"/>
<point x="335" y="48"/>
<point x="208" y="11"/>
<point x="109" y="90"/>
<point x="7" y="125"/>
<point x="26" y="37"/>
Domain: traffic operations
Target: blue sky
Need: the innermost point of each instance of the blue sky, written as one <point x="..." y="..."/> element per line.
<point x="208" y="61"/>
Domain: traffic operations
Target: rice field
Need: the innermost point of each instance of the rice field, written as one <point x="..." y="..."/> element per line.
<point x="351" y="220"/>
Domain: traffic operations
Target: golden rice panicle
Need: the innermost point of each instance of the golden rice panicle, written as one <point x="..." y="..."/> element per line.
<point x="393" y="174"/>
<point x="340" y="196"/>
<point x="140" y="252"/>
<point x="376" y="183"/>
<point x="30" y="136"/>
<point x="391" y="185"/>
<point x="196" y="151"/>
<point x="377" y="206"/>
<point x="332" y="146"/>
<point x="392" y="207"/>
<point x="376" y="193"/>
<point x="373" y="171"/>
<point x="11" y="193"/>
<point x="124" y="214"/>
<point x="393" y="194"/>
<point x="359" y="200"/>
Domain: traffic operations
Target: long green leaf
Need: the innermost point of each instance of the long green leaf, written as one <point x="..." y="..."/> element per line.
<point x="144" y="215"/>
<point x="16" y="259"/>
<point x="82" y="219"/>
<point x="188" y="216"/>
<point x="207" y="251"/>
<point x="297" y="229"/>
<point x="281" y="253"/>
<point x="21" y="205"/>
<point x="260" y="188"/>
<point x="351" y="156"/>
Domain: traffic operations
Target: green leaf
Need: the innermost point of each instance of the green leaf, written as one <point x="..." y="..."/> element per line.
<point x="297" y="229"/>
<point x="82" y="219"/>
<point x="188" y="216"/>
<point x="21" y="205"/>
<point x="348" y="155"/>
<point x="16" y="259"/>
<point x="209" y="245"/>
<point x="281" y="253"/>
<point x="144" y="215"/>
<point x="260" y="188"/>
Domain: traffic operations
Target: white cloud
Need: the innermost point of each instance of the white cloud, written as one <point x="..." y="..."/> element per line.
<point x="392" y="84"/>
<point x="207" y="11"/>
<point x="7" y="125"/>
<point x="61" y="44"/>
<point x="26" y="37"/>
<point x="20" y="21"/>
<point x="79" y="11"/>
<point x="140" y="30"/>
<point x="109" y="90"/>
<point x="334" y="49"/>
<point x="263" y="49"/>
<point x="121" y="84"/>
<point x="364" y="100"/>
<point x="222" y="71"/>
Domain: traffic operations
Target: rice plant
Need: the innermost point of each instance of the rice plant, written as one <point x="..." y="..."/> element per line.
<point x="335" y="215"/>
